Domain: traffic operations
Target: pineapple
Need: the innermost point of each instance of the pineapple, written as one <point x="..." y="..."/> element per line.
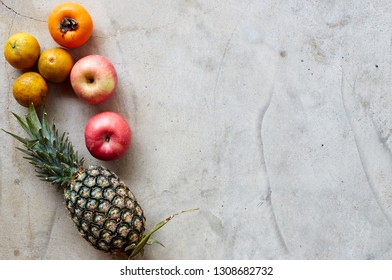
<point x="104" y="210"/>
<point x="102" y="206"/>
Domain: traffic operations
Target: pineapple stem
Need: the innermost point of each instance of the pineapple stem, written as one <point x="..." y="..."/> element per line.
<point x="138" y="248"/>
<point x="49" y="152"/>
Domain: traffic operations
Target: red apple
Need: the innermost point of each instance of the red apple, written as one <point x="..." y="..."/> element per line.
<point x="93" y="78"/>
<point x="107" y="136"/>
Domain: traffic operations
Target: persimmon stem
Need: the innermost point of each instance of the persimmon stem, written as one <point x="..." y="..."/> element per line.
<point x="68" y="24"/>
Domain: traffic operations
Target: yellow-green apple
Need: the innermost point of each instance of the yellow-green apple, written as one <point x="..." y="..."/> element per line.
<point x="93" y="78"/>
<point x="107" y="136"/>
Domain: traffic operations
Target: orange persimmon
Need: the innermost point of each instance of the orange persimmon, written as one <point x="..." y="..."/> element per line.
<point x="70" y="25"/>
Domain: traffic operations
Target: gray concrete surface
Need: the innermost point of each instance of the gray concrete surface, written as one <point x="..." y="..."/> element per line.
<point x="273" y="117"/>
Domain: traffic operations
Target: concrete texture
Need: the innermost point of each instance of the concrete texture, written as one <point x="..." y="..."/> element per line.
<point x="273" y="117"/>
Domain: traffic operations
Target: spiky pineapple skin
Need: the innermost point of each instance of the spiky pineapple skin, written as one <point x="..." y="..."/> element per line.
<point x="104" y="209"/>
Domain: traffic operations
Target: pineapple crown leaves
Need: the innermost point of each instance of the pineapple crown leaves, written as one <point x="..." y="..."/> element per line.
<point x="134" y="250"/>
<point x="51" y="153"/>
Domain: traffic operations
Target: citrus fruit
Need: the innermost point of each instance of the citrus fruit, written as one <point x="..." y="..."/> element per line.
<point x="22" y="50"/>
<point x="70" y="25"/>
<point x="30" y="87"/>
<point x="55" y="64"/>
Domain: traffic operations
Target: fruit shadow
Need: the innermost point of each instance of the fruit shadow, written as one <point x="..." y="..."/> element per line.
<point x="90" y="47"/>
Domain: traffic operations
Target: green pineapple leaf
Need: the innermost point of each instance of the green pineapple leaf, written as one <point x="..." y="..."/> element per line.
<point x="152" y="241"/>
<point x="138" y="248"/>
<point x="52" y="155"/>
